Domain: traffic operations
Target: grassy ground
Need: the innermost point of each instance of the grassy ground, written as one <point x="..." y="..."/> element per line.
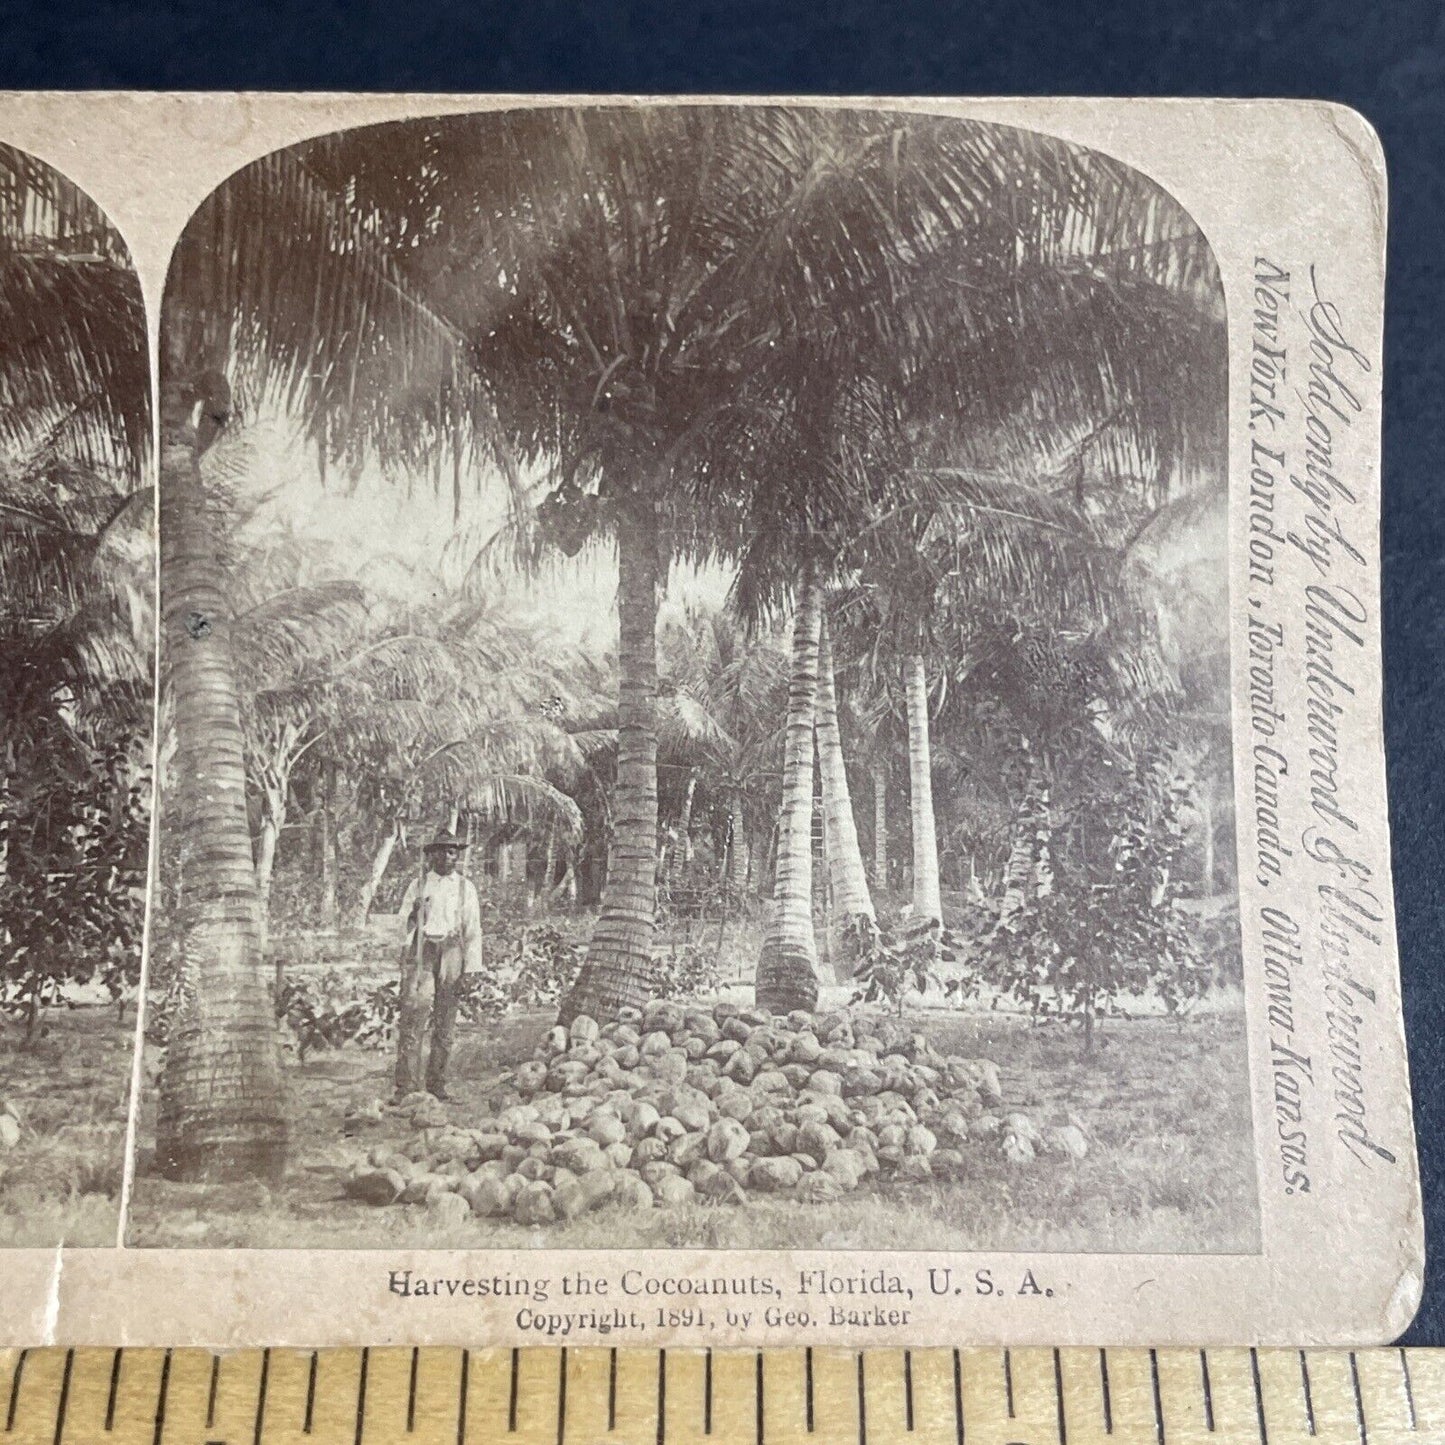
<point x="1171" y="1164"/>
<point x="60" y="1184"/>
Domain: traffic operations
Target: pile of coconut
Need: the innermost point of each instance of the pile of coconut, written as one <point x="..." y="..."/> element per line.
<point x="673" y="1104"/>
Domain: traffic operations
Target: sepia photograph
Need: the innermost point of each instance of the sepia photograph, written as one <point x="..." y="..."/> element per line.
<point x="694" y="701"/>
<point x="77" y="583"/>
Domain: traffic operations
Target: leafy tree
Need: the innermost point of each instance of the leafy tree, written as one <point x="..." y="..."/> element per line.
<point x="75" y="884"/>
<point x="1046" y="336"/>
<point x="1106" y="922"/>
<point x="75" y="567"/>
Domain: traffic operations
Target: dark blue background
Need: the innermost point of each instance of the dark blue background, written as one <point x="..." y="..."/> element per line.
<point x="1383" y="57"/>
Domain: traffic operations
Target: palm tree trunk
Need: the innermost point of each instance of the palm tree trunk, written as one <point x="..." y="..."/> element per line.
<point x="1043" y="840"/>
<point x="878" y="775"/>
<point x="851" y="898"/>
<point x="272" y="818"/>
<point x="274" y="785"/>
<point x="1027" y="872"/>
<point x="787" y="976"/>
<point x="765" y="861"/>
<point x="927" y="892"/>
<point x="617" y="973"/>
<point x="679" y="853"/>
<point x="221" y="1109"/>
<point x="378" y="872"/>
<point x="684" y="822"/>
<point x="972" y="887"/>
<point x="739" y="849"/>
<point x="822" y="880"/>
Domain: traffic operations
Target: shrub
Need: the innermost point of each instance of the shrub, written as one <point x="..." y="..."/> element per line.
<point x="689" y="969"/>
<point x="888" y="970"/>
<point x="74" y="897"/>
<point x="1103" y="917"/>
<point x="327" y="1010"/>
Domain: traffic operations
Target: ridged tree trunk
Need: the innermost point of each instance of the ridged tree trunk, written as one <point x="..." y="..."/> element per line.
<point x="764" y="853"/>
<point x="617" y="973"/>
<point x="739" y="848"/>
<point x="273" y="816"/>
<point x="787" y="976"/>
<point x="684" y="854"/>
<point x="927" y="891"/>
<point x="1028" y="873"/>
<point x="221" y="1109"/>
<point x="378" y="871"/>
<point x="272" y="778"/>
<point x="878" y="775"/>
<point x="681" y="854"/>
<point x="851" y="899"/>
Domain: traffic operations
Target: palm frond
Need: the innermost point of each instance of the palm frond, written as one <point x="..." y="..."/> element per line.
<point x="73" y="354"/>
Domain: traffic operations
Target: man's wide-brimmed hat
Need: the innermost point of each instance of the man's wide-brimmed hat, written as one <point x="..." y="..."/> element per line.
<point x="445" y="838"/>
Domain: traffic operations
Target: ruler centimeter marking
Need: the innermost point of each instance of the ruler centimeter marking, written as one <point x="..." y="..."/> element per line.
<point x="462" y="1398"/>
<point x="584" y="1396"/>
<point x="111" y="1393"/>
<point x="1359" y="1401"/>
<point x="1304" y="1375"/>
<point x="962" y="1433"/>
<point x="1105" y="1397"/>
<point x="160" y="1417"/>
<point x="1208" y="1392"/>
<point x="310" y="1395"/>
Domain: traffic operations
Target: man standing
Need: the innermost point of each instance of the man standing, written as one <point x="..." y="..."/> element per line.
<point x="443" y="938"/>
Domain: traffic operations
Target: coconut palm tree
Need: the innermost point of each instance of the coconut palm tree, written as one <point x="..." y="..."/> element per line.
<point x="1067" y="389"/>
<point x="293" y="625"/>
<point x="663" y="252"/>
<point x="445" y="706"/>
<point x="1084" y="692"/>
<point x="787" y="976"/>
<point x="279" y="294"/>
<point x="941" y="560"/>
<point x="75" y="613"/>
